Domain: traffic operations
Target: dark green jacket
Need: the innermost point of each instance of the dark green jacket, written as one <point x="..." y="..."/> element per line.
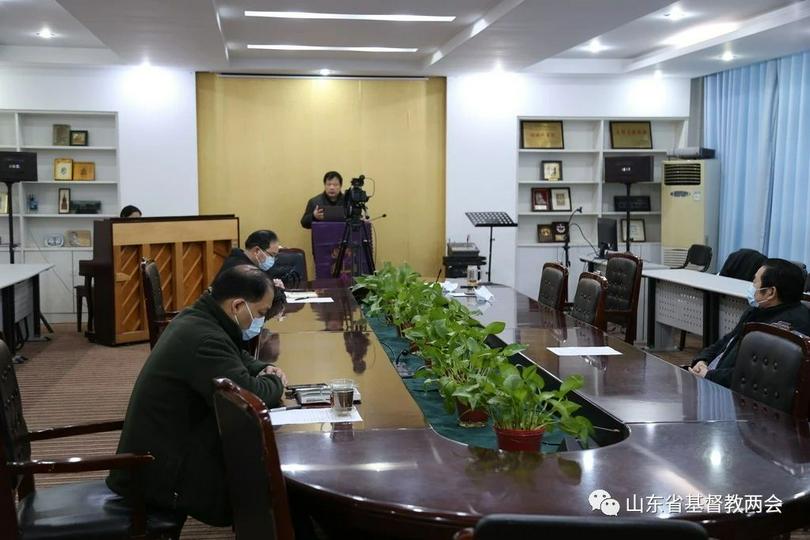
<point x="171" y="414"/>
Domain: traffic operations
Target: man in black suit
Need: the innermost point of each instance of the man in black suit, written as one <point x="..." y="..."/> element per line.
<point x="774" y="296"/>
<point x="331" y="196"/>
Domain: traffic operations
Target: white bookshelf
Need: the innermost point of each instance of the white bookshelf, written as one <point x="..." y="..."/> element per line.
<point x="587" y="143"/>
<point x="32" y="131"/>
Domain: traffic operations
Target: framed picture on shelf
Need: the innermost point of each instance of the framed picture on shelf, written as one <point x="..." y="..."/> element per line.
<point x="61" y="135"/>
<point x="637" y="231"/>
<point x="626" y="135"/>
<point x="64" y="200"/>
<point x="561" y="199"/>
<point x="63" y="169"/>
<point x="84" y="170"/>
<point x="78" y="137"/>
<point x="78" y="238"/>
<point x="560" y="230"/>
<point x="541" y="134"/>
<point x="541" y="200"/>
<point x="551" y="171"/>
<point x="4" y="203"/>
<point x="545" y="233"/>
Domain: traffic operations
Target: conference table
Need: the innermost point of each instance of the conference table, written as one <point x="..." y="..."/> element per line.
<point x="662" y="436"/>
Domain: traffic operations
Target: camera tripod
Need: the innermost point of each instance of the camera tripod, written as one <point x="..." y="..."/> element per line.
<point x="353" y="223"/>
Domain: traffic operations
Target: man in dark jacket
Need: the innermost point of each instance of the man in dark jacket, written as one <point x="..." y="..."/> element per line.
<point x="171" y="414"/>
<point x="331" y="196"/>
<point x="775" y="296"/>
<point x="261" y="248"/>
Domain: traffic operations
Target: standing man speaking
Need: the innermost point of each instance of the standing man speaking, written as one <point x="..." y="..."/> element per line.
<point x="331" y="196"/>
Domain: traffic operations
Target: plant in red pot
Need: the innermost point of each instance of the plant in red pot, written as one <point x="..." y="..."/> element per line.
<point x="522" y="410"/>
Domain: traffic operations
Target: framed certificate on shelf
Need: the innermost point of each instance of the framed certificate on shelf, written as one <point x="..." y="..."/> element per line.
<point x="630" y="135"/>
<point x="541" y="134"/>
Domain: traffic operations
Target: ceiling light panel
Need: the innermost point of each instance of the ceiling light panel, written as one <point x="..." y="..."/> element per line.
<point x="348" y="16"/>
<point x="284" y="47"/>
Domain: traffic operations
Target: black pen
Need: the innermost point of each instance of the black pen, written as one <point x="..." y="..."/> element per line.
<point x="290" y="408"/>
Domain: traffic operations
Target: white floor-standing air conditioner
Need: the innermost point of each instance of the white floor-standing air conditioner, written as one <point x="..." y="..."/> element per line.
<point x="690" y="199"/>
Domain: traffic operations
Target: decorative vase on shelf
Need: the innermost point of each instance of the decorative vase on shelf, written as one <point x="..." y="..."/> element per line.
<point x="33" y="204"/>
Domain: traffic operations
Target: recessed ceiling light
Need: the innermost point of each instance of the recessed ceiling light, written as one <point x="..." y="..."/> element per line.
<point x="46" y="33"/>
<point x="347" y="16"/>
<point x="700" y="33"/>
<point x="595" y="46"/>
<point x="325" y="72"/>
<point x="320" y="48"/>
<point x="675" y="14"/>
<point x="727" y="56"/>
<point x="658" y="74"/>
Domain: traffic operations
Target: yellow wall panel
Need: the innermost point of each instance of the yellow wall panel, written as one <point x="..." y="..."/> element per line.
<point x="264" y="145"/>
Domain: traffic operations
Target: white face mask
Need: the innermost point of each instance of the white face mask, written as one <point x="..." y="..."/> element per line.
<point x="267" y="263"/>
<point x="255" y="328"/>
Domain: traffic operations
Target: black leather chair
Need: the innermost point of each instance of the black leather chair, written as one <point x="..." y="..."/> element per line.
<point x="623" y="274"/>
<point x="553" y="286"/>
<point x="773" y="368"/>
<point x="523" y="527"/>
<point x="589" y="300"/>
<point x="294" y="262"/>
<point x="743" y="264"/>
<point x="256" y="485"/>
<point x="699" y="256"/>
<point x="157" y="317"/>
<point x="70" y="511"/>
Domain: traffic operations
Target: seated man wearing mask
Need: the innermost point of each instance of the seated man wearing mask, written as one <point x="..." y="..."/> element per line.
<point x="261" y="248"/>
<point x="775" y="296"/>
<point x="171" y="414"/>
<point x="331" y="196"/>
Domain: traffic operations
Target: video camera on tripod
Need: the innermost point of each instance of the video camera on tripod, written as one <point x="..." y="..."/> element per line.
<point x="356" y="198"/>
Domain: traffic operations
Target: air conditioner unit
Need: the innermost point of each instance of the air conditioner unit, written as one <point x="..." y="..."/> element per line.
<point x="690" y="199"/>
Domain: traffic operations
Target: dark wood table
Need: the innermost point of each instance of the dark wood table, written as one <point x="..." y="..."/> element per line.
<point x="662" y="432"/>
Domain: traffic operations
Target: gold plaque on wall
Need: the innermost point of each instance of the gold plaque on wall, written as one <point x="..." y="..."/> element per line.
<point x="62" y="169"/>
<point x="84" y="170"/>
<point x="541" y="134"/>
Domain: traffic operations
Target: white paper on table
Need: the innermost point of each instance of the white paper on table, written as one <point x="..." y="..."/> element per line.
<point x="322" y="415"/>
<point x="313" y="300"/>
<point x="449" y="286"/>
<point x="584" y="351"/>
<point x="460" y="294"/>
<point x="483" y="294"/>
<point x="297" y="295"/>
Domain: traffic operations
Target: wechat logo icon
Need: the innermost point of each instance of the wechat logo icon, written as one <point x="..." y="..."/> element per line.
<point x="601" y="500"/>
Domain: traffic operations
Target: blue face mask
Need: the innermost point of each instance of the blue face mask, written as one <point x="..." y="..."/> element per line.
<point x="749" y="295"/>
<point x="267" y="263"/>
<point x="255" y="328"/>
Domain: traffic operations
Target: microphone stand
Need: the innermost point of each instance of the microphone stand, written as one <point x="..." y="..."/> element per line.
<point x="567" y="244"/>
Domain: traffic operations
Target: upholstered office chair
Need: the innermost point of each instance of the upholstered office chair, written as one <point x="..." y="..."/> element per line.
<point x="743" y="264"/>
<point x="256" y="486"/>
<point x="157" y="317"/>
<point x="699" y="256"/>
<point x="72" y="510"/>
<point x="503" y="526"/>
<point x="589" y="300"/>
<point x="623" y="274"/>
<point x="773" y="368"/>
<point x="553" y="286"/>
<point x="296" y="260"/>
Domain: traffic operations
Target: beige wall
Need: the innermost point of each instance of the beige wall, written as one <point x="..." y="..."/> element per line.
<point x="264" y="145"/>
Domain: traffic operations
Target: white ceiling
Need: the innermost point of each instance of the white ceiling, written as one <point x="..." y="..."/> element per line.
<point x="535" y="36"/>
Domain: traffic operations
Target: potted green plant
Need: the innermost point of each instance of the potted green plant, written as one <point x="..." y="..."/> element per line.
<point x="522" y="410"/>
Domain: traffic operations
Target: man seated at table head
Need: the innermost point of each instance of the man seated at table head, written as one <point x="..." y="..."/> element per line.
<point x="774" y="296"/>
<point x="331" y="196"/>
<point x="171" y="414"/>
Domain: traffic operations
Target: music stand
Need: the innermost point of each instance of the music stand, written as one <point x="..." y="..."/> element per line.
<point x="491" y="220"/>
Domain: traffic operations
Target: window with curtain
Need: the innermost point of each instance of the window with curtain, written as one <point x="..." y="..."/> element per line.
<point x="757" y="118"/>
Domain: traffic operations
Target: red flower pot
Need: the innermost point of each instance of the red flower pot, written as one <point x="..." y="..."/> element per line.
<point x="519" y="440"/>
<point x="471" y="417"/>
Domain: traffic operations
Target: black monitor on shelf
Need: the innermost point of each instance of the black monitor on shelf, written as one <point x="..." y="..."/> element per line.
<point x="628" y="169"/>
<point x="606" y="236"/>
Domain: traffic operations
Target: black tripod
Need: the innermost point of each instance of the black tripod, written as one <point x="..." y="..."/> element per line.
<point x="353" y="223"/>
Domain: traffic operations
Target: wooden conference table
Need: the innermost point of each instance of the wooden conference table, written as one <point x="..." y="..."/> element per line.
<point x="662" y="433"/>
